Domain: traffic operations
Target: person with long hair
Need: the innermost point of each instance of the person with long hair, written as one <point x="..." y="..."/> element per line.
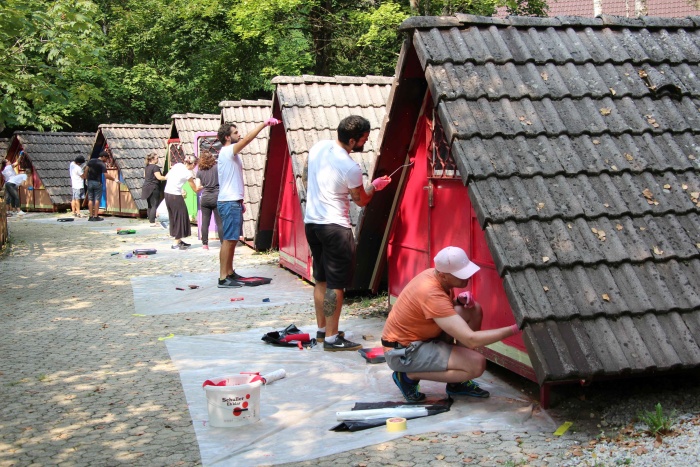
<point x="177" y="176"/>
<point x="209" y="181"/>
<point x="151" y="188"/>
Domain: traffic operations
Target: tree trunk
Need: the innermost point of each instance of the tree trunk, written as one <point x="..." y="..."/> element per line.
<point x="597" y="7"/>
<point x="322" y="34"/>
<point x="640" y="8"/>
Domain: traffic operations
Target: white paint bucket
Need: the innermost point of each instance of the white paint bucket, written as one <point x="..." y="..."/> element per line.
<point x="235" y="404"/>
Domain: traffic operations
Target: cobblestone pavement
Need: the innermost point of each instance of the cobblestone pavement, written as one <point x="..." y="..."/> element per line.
<point x="83" y="382"/>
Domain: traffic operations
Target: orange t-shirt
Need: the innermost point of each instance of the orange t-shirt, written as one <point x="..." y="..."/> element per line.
<point x="411" y="318"/>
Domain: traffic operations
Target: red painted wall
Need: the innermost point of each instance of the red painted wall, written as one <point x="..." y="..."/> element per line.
<point x="421" y="228"/>
<point x="294" y="251"/>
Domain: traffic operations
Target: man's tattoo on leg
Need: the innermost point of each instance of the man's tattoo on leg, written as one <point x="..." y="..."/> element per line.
<point x="329" y="300"/>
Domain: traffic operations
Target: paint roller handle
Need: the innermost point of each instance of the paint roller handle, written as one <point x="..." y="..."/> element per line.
<point x="274" y="376"/>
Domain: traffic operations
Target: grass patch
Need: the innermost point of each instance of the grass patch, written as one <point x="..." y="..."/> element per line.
<point x="657" y="422"/>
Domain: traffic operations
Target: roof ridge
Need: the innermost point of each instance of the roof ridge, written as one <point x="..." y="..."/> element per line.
<point x="196" y="115"/>
<point x="133" y="125"/>
<point x="369" y="79"/>
<point x="246" y="103"/>
<point x="461" y="19"/>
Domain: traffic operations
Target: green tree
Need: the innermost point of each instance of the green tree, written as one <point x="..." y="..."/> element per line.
<point x="50" y="51"/>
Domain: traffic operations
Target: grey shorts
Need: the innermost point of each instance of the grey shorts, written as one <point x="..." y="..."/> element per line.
<point x="78" y="193"/>
<point x="420" y="356"/>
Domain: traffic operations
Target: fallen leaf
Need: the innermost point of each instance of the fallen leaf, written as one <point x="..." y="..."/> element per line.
<point x="642" y="74"/>
<point x="606" y="205"/>
<point x="647" y="193"/>
<point x="467" y="460"/>
<point x="439" y="457"/>
<point x="540" y="206"/>
<point x="658" y="441"/>
<point x="619" y="227"/>
<point x="528" y="122"/>
<point x="477" y="433"/>
<point x="594" y="230"/>
<point x="544" y="75"/>
<point x="569" y="226"/>
<point x="684" y="186"/>
<point x="658" y="251"/>
<point x="545" y="259"/>
<point x="642" y="229"/>
<point x="667" y="186"/>
<point x="629" y="157"/>
<point x="614" y="167"/>
<point x="521" y="118"/>
<point x="546" y="289"/>
<point x="595" y="141"/>
<point x="577" y="452"/>
<point x="697" y="245"/>
<point x="641" y="450"/>
<point x="612" y="91"/>
<point x="605" y="111"/>
<point x="691" y="157"/>
<point x="606" y="297"/>
<point x="533" y="456"/>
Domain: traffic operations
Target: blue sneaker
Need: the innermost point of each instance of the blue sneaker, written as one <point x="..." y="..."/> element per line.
<point x="409" y="390"/>
<point x="466" y="388"/>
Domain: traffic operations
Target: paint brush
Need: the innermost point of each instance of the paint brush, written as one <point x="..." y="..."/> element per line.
<point x="399" y="168"/>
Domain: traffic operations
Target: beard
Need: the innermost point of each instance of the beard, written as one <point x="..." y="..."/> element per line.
<point x="358" y="148"/>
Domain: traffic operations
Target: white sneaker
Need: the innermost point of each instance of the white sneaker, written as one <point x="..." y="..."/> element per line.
<point x="21" y="213"/>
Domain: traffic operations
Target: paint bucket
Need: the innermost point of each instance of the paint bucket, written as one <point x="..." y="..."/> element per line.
<point x="233" y="400"/>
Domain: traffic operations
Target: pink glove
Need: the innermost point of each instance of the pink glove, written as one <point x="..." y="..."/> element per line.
<point x="271" y="121"/>
<point x="380" y="183"/>
<point x="466" y="299"/>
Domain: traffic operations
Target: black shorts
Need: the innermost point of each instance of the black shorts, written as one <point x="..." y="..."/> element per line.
<point x="333" y="251"/>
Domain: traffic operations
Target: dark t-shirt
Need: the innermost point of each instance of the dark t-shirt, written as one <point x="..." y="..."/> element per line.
<point x="210" y="182"/>
<point x="95" y="170"/>
<point x="150" y="182"/>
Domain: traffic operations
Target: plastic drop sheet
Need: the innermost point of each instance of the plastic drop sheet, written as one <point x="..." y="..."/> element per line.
<point x="298" y="411"/>
<point x="158" y="295"/>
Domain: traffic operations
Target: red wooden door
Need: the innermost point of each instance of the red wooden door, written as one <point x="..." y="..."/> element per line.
<point x="294" y="251"/>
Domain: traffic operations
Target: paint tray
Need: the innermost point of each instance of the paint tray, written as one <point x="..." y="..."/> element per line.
<point x="374" y="355"/>
<point x="254" y="281"/>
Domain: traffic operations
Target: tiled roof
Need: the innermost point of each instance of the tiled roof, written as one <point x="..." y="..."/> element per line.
<point x="185" y="126"/>
<point x="51" y="154"/>
<point x="4" y="146"/>
<point x="246" y="115"/>
<point x="667" y="8"/>
<point x="130" y="144"/>
<point x="579" y="142"/>
<point x="313" y="106"/>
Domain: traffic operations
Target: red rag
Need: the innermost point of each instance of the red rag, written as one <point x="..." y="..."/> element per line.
<point x="235" y="299"/>
<point x="375" y="352"/>
<point x="212" y="383"/>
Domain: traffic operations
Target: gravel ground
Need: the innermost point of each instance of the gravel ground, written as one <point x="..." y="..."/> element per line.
<point x="85" y="383"/>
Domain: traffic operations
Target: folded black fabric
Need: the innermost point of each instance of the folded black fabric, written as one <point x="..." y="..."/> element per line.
<point x="278" y="337"/>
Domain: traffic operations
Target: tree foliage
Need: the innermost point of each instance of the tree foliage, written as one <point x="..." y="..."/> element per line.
<point x="79" y="63"/>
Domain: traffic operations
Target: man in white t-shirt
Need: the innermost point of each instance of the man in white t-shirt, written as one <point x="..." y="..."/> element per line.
<point x="230" y="201"/>
<point x="333" y="179"/>
<point x="76" y="181"/>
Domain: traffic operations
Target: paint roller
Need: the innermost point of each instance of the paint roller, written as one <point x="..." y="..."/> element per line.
<point x="270" y="377"/>
<point x="401" y="167"/>
<point x="401" y="411"/>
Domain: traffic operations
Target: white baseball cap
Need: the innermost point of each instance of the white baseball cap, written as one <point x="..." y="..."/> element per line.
<point x="454" y="260"/>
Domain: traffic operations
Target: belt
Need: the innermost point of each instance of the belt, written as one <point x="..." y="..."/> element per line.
<point x="393" y="345"/>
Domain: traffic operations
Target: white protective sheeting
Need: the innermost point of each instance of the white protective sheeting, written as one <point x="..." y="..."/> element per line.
<point x="158" y="295"/>
<point x="298" y="411"/>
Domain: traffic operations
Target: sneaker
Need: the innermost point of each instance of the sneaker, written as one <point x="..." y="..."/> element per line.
<point x="91" y="219"/>
<point x="21" y="213"/>
<point x="205" y="247"/>
<point x="467" y="388"/>
<point x="321" y="335"/>
<point x="184" y="244"/>
<point x="229" y="283"/>
<point x="154" y="225"/>
<point x="409" y="390"/>
<point x="179" y="246"/>
<point x="98" y="218"/>
<point x="234" y="276"/>
<point x="340" y="344"/>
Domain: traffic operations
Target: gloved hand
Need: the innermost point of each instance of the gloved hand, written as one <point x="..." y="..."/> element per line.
<point x="380" y="183"/>
<point x="271" y="121"/>
<point x="466" y="299"/>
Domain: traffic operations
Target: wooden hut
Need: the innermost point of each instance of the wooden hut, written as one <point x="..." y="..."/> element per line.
<point x="246" y="115"/>
<point x="47" y="155"/>
<point x="311" y="107"/>
<point x="128" y="144"/>
<point x="181" y="143"/>
<point x="563" y="155"/>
